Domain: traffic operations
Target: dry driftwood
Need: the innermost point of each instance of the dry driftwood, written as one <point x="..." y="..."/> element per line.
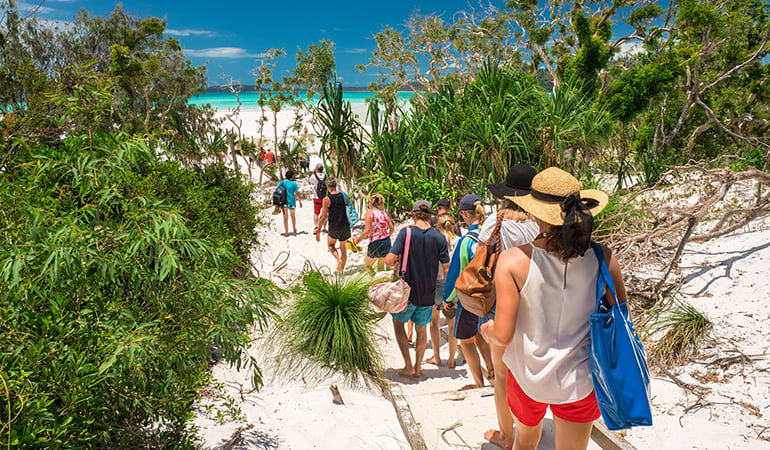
<point x="653" y="235"/>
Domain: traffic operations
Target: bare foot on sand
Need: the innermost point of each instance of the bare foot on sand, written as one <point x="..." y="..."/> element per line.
<point x="468" y="387"/>
<point x="434" y="360"/>
<point x="496" y="437"/>
<point x="417" y="372"/>
<point x="451" y="363"/>
<point x="406" y="371"/>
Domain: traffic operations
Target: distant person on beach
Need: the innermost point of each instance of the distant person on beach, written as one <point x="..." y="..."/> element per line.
<point x="334" y="211"/>
<point x="304" y="161"/>
<point x="318" y="180"/>
<point x="446" y="225"/>
<point x="546" y="292"/>
<point x="262" y="156"/>
<point x="517" y="228"/>
<point x="291" y="202"/>
<point x="442" y="207"/>
<point x="427" y="248"/>
<point x="466" y="323"/>
<point x="378" y="228"/>
<point x="269" y="157"/>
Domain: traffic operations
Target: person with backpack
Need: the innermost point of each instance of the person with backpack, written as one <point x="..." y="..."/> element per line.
<point x="290" y="186"/>
<point x="466" y="323"/>
<point x="378" y="228"/>
<point x="546" y="292"/>
<point x="334" y="211"/>
<point x="516" y="228"/>
<point x="318" y="180"/>
<point x="424" y="248"/>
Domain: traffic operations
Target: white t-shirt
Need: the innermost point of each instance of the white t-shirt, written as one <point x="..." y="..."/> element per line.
<point x="451" y="252"/>
<point x="314" y="179"/>
<point x="513" y="232"/>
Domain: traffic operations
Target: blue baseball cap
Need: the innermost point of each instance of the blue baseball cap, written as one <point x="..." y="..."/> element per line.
<point x="467" y="202"/>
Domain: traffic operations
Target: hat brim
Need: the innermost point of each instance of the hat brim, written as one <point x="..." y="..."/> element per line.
<point x="550" y="212"/>
<point x="502" y="190"/>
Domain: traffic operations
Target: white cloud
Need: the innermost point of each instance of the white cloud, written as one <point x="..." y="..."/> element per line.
<point x="33" y="8"/>
<point x="223" y="52"/>
<point x="630" y="48"/>
<point x="323" y="30"/>
<point x="355" y="50"/>
<point x="189" y="32"/>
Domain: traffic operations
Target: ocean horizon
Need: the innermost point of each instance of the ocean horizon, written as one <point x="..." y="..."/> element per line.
<point x="227" y="100"/>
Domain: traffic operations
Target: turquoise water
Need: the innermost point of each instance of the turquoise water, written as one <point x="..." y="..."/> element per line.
<point x="226" y="100"/>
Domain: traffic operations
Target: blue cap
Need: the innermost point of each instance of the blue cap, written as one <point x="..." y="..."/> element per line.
<point x="466" y="203"/>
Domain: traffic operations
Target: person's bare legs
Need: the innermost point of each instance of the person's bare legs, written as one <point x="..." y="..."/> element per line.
<point x="570" y="435"/>
<point x="293" y="220"/>
<point x="486" y="354"/>
<point x="474" y="363"/>
<point x="343" y="257"/>
<point x="410" y="330"/>
<point x="403" y="346"/>
<point x="332" y="244"/>
<point x="527" y="438"/>
<point x="419" y="348"/>
<point x="285" y="221"/>
<point x="435" y="338"/>
<point x="450" y="323"/>
<point x="502" y="437"/>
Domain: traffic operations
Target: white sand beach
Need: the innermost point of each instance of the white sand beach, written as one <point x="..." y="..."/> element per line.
<point x="726" y="278"/>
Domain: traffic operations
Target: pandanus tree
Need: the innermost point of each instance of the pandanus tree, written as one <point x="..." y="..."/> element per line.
<point x="340" y="137"/>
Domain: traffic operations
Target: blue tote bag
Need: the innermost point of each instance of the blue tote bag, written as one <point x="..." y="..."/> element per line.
<point x="618" y="362"/>
<point x="351" y="211"/>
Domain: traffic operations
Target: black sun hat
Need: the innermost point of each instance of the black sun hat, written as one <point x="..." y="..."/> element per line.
<point x="517" y="182"/>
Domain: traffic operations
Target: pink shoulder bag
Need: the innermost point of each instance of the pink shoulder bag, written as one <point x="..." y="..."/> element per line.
<point x="393" y="296"/>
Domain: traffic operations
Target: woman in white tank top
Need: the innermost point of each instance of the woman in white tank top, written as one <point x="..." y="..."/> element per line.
<point x="546" y="292"/>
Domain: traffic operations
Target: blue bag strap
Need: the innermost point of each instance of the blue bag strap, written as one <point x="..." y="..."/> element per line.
<point x="604" y="276"/>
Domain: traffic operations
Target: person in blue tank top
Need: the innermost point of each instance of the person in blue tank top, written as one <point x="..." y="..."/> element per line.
<point x="291" y="202"/>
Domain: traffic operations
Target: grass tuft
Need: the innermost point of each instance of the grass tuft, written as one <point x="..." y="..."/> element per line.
<point x="329" y="328"/>
<point x="681" y="328"/>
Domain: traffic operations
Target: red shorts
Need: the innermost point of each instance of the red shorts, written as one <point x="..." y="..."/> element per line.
<point x="531" y="412"/>
<point x="317" y="206"/>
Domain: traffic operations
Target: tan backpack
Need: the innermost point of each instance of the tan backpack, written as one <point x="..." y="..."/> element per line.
<point x="475" y="285"/>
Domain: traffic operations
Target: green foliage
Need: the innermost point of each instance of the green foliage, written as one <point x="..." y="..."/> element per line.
<point x="340" y="139"/>
<point x="215" y="200"/>
<point x="110" y="302"/>
<point x="619" y="216"/>
<point x="679" y="328"/>
<point x="329" y="328"/>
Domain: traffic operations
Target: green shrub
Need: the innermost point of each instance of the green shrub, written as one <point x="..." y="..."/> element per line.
<point x="329" y="327"/>
<point x="109" y="302"/>
<point x="679" y="327"/>
<point x="215" y="200"/>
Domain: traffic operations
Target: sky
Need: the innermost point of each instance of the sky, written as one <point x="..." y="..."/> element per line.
<point x="231" y="36"/>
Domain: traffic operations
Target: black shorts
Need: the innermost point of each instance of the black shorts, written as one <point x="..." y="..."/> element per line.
<point x="378" y="249"/>
<point x="466" y="324"/>
<point x="342" y="234"/>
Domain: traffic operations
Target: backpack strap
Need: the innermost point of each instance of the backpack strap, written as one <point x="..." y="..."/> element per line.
<point x="405" y="259"/>
<point x="464" y="252"/>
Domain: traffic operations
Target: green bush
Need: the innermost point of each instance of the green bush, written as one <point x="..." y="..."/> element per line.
<point x="109" y="302"/>
<point x="329" y="327"/>
<point x="214" y="199"/>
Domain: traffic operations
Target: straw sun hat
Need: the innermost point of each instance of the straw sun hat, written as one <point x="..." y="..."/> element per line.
<point x="552" y="192"/>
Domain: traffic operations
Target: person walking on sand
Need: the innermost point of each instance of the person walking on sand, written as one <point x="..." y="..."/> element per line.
<point x="318" y="180"/>
<point x="291" y="202"/>
<point x="442" y="207"/>
<point x="546" y="292"/>
<point x="378" y="228"/>
<point x="427" y="248"/>
<point x="466" y="323"/>
<point x="446" y="225"/>
<point x="334" y="210"/>
<point x="517" y="228"/>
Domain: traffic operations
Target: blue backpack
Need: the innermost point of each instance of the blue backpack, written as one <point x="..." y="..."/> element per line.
<point x="279" y="195"/>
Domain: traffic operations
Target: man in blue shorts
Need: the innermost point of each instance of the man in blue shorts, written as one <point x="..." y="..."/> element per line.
<point x="427" y="248"/>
